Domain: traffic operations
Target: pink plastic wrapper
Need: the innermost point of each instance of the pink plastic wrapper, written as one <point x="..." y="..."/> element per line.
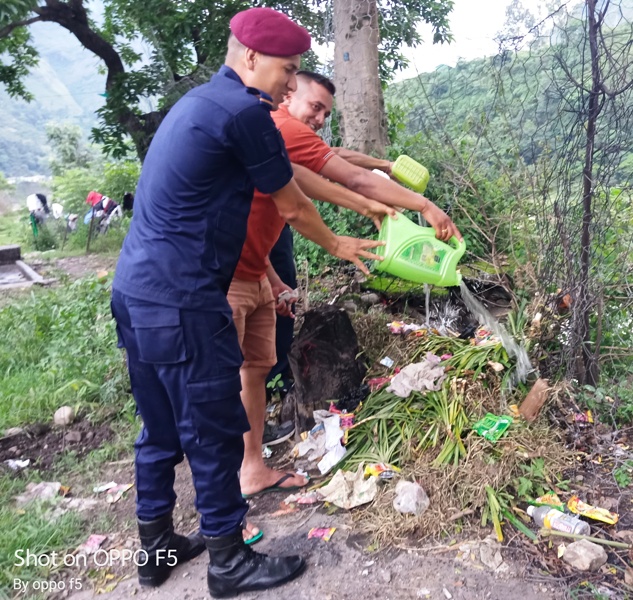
<point x="324" y="533"/>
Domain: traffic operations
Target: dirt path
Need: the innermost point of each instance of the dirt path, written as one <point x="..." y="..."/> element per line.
<point x="75" y="267"/>
<point x="341" y="569"/>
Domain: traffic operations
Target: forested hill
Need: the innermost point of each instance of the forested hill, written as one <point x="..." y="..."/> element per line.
<point x="525" y="102"/>
<point x="66" y="86"/>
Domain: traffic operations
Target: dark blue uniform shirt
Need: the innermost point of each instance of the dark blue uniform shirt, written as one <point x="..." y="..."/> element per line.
<point x="191" y="209"/>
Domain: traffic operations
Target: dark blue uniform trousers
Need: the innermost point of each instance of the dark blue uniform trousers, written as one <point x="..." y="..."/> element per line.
<point x="283" y="261"/>
<point x="184" y="372"/>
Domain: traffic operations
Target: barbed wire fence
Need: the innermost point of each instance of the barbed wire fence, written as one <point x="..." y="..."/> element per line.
<point x="531" y="151"/>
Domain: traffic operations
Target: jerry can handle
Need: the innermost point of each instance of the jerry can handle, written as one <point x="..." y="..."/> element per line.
<point x="459" y="246"/>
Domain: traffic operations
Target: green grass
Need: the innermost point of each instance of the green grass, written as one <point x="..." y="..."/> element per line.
<point x="30" y="529"/>
<point x="10" y="229"/>
<point x="59" y="348"/>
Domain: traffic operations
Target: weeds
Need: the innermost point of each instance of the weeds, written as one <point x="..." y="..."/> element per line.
<point x="31" y="529"/>
<point x="60" y="348"/>
<point x="623" y="474"/>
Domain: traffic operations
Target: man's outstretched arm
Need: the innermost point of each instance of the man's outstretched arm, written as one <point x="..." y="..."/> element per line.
<point x="318" y="188"/>
<point x="363" y="160"/>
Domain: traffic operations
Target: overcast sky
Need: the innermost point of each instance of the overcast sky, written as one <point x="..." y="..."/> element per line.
<point x="474" y="26"/>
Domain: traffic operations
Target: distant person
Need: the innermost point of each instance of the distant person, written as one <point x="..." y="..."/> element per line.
<point x="38" y="207"/>
<point x="128" y="201"/>
<point x="104" y="210"/>
<point x="93" y="197"/>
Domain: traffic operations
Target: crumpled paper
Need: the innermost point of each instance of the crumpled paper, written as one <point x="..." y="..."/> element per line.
<point x="333" y="456"/>
<point x="418" y="377"/>
<point x="348" y="489"/>
<point x="44" y="491"/>
<point x="323" y="443"/>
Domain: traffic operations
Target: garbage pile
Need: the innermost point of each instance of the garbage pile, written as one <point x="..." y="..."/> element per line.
<point x="440" y="439"/>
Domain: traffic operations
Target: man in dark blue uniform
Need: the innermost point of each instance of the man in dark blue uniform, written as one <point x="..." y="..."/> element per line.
<point x="169" y="297"/>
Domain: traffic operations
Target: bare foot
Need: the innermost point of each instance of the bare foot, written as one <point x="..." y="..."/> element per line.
<point x="249" y="531"/>
<point x="262" y="478"/>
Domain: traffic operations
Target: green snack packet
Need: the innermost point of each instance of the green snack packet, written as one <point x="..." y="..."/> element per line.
<point x="492" y="427"/>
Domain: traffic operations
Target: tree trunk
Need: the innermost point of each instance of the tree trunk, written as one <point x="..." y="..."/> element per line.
<point x="359" y="98"/>
<point x="324" y="361"/>
<point x="590" y="372"/>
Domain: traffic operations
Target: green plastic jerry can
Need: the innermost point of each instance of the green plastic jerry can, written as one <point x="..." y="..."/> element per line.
<point x="412" y="252"/>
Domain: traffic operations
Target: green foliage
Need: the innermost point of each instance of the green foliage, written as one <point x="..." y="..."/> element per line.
<point x="4" y="184"/>
<point x="187" y="42"/>
<point x="623" y="474"/>
<point x="72" y="187"/>
<point x="533" y="482"/>
<point x="69" y="150"/>
<point x="341" y="222"/>
<point x="60" y="348"/>
<point x="612" y="402"/>
<point x="34" y="530"/>
<point x="112" y="179"/>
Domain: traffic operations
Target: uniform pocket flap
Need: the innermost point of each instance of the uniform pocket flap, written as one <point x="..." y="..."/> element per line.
<point x="153" y="315"/>
<point x="214" y="389"/>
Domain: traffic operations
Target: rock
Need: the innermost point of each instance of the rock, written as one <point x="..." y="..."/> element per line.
<point x="490" y="556"/>
<point x="89" y="435"/>
<point x="585" y="556"/>
<point x="73" y="437"/>
<point x="13" y="431"/>
<point x="350" y="306"/>
<point x="13" y="450"/>
<point x="370" y="299"/>
<point x="64" y="416"/>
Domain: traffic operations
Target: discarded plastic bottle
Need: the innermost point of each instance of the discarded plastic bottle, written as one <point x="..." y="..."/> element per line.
<point x="550" y="518"/>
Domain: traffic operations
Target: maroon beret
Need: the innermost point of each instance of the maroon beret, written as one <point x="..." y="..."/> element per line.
<point x="269" y="32"/>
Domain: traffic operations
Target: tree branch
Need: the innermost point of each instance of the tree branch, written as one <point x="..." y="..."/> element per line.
<point x="5" y="31"/>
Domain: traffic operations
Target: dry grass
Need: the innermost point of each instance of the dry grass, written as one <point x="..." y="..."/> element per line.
<point x="453" y="490"/>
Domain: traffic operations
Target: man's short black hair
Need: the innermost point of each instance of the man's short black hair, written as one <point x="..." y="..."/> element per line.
<point x="320" y="79"/>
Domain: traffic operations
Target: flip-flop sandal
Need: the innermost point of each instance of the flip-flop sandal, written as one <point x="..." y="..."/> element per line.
<point x="253" y="540"/>
<point x="276" y="487"/>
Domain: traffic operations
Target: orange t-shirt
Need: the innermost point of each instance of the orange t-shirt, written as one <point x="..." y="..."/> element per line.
<point x="265" y="223"/>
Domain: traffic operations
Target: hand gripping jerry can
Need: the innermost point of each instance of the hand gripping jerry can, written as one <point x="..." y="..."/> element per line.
<point x="413" y="253"/>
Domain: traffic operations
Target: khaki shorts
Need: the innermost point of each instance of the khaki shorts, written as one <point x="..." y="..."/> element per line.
<point x="254" y="315"/>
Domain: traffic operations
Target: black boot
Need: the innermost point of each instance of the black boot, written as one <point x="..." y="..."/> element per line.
<point x="165" y="549"/>
<point x="235" y="568"/>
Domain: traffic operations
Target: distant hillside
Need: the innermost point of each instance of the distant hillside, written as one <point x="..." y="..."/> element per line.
<point x="522" y="102"/>
<point x="66" y="86"/>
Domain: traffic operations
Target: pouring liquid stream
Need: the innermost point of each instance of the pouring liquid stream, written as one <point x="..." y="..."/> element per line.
<point x="513" y="348"/>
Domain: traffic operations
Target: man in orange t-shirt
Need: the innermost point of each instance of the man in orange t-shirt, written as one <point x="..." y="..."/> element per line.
<point x="255" y="288"/>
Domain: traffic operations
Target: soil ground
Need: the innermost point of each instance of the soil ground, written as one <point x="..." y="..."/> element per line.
<point x="346" y="567"/>
<point x="341" y="569"/>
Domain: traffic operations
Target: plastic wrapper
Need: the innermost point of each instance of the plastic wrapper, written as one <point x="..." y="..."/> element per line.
<point x="577" y="506"/>
<point x="410" y="498"/>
